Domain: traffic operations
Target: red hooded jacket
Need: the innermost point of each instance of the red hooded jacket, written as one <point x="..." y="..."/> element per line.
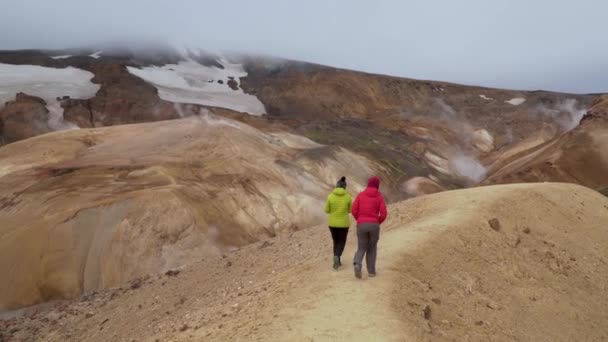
<point x="369" y="206"/>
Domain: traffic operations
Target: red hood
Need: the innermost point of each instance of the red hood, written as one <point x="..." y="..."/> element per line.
<point x="373" y="182"/>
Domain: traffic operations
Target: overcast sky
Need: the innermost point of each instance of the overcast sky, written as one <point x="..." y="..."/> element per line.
<point x="523" y="44"/>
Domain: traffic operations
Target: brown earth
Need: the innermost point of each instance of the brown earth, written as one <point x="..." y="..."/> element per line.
<point x="444" y="274"/>
<point x="579" y="156"/>
<point x="121" y="99"/>
<point x="414" y="128"/>
<point x="401" y="122"/>
<point x="23" y="118"/>
<point x="99" y="207"/>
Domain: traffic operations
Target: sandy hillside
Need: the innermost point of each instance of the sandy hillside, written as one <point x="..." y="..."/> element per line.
<point x="577" y="156"/>
<point x="84" y="210"/>
<point x="429" y="135"/>
<point x="537" y="273"/>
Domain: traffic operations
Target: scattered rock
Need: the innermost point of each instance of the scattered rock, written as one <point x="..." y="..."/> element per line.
<point x="220" y="81"/>
<point x="184" y="327"/>
<point x="105" y="321"/>
<point x="89" y="314"/>
<point x="436" y="301"/>
<point x="265" y="244"/>
<point x="53" y="316"/>
<point x="527" y="230"/>
<point x="137" y="283"/>
<point x="172" y="273"/>
<point x="233" y="84"/>
<point x="517" y="241"/>
<point x="228" y="264"/>
<point x="494" y="224"/>
<point x="479" y="323"/>
<point x="492" y="305"/>
<point x="427" y="312"/>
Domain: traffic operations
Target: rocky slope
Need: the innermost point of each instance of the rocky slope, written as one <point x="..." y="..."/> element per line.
<point x="121" y="99"/>
<point x="227" y="151"/>
<point x="96" y="208"/>
<point x="436" y="130"/>
<point x="434" y="133"/>
<point x="578" y="156"/>
<point x="508" y="263"/>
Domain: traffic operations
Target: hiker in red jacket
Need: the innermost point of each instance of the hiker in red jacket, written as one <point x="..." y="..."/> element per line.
<point x="369" y="210"/>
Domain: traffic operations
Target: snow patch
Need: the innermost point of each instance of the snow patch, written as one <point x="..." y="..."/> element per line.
<point x="61" y="57"/>
<point x="96" y="54"/>
<point x="516" y="101"/>
<point x="48" y="84"/>
<point x="191" y="82"/>
<point x="485" y="97"/>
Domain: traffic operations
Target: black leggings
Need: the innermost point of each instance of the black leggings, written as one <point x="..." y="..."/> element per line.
<point x="339" y="236"/>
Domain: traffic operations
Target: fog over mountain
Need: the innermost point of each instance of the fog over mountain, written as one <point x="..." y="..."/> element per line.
<point x="553" y="45"/>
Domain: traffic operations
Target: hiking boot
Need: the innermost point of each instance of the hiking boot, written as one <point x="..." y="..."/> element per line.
<point x="336" y="262"/>
<point x="371" y="275"/>
<point x="357" y="272"/>
<point x="339" y="262"/>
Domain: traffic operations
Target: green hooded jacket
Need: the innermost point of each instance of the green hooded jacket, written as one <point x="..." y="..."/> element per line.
<point x="338" y="207"/>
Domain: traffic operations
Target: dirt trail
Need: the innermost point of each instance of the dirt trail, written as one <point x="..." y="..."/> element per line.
<point x="343" y="307"/>
<point x="539" y="275"/>
<point x="335" y="306"/>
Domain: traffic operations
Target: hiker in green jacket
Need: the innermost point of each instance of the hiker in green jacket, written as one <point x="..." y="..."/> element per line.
<point x="338" y="206"/>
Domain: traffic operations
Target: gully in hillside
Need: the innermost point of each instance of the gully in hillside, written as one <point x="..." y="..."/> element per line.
<point x="338" y="206"/>
<point x="369" y="210"/>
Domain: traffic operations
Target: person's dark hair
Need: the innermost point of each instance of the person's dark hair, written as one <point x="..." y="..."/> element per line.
<point x="341" y="183"/>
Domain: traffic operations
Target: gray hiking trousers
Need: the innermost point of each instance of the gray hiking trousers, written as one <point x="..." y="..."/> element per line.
<point x="368" y="235"/>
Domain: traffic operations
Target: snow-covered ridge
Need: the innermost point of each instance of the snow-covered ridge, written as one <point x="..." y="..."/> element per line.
<point x="96" y="55"/>
<point x="48" y="84"/>
<point x="191" y="82"/>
